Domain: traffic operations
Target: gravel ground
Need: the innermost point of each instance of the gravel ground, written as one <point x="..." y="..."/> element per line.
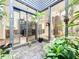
<point x="35" y="51"/>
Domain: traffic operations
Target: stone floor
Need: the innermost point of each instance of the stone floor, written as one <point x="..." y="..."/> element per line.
<point x="35" y="51"/>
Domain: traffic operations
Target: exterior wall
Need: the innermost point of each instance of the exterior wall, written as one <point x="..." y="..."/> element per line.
<point x="56" y="13"/>
<point x="3" y="22"/>
<point x="2" y="29"/>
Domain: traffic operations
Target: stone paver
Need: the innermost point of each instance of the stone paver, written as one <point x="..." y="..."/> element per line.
<point x="26" y="52"/>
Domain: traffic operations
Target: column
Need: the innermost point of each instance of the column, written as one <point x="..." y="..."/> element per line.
<point x="49" y="23"/>
<point x="66" y="18"/>
<point x="36" y="26"/>
<point x="11" y="22"/>
<point x="26" y="27"/>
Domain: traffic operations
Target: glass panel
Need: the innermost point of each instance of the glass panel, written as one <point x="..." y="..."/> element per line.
<point x="43" y="30"/>
<point x="16" y="27"/>
<point x="23" y="26"/>
<point x="31" y="29"/>
<point x="43" y="26"/>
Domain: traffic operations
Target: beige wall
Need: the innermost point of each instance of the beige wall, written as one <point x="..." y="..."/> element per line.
<point x="2" y="29"/>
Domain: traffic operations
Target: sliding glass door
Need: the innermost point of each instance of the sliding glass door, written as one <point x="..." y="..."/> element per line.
<point x="16" y="27"/>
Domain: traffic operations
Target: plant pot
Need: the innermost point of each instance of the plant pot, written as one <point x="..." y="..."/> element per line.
<point x="40" y="40"/>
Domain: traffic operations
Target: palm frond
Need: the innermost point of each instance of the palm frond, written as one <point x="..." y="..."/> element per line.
<point x="77" y="12"/>
<point x="38" y="15"/>
<point x="74" y="2"/>
<point x="72" y="25"/>
<point x="2" y="2"/>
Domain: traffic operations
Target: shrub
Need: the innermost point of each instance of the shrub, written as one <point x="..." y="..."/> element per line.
<point x="62" y="48"/>
<point x="5" y="51"/>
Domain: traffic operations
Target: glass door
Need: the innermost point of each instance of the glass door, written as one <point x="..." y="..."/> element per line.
<point x="23" y="27"/>
<point x="16" y="27"/>
<point x="31" y="28"/>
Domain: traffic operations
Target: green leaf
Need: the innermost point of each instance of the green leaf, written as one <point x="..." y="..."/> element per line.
<point x="48" y="58"/>
<point x="51" y="54"/>
<point x="64" y="50"/>
<point x="77" y="12"/>
<point x="59" y="49"/>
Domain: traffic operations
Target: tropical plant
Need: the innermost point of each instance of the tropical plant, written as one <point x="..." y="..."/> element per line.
<point x="36" y="19"/>
<point x="37" y="16"/>
<point x="4" y="51"/>
<point x="76" y="13"/>
<point x="62" y="48"/>
<point x="2" y="12"/>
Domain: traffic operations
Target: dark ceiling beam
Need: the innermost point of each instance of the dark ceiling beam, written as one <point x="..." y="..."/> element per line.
<point x="16" y="8"/>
